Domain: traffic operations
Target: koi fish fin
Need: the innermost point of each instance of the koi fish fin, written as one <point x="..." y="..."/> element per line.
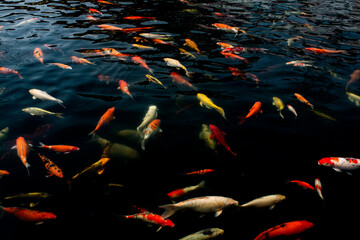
<point x="272" y="207"/>
<point x="281" y="115"/>
<point x="170" y="209"/>
<point x="59" y="115"/>
<point x="60" y="102"/>
<point x="218" y="213"/>
<point x="91" y="133"/>
<point x="201" y="104"/>
<point x="41" y="145"/>
<point x="201" y="184"/>
<point x="143" y="144"/>
<point x="27" y="165"/>
<point x="159" y="229"/>
<point x="242" y="119"/>
<point x="13" y="147"/>
<point x="34" y="97"/>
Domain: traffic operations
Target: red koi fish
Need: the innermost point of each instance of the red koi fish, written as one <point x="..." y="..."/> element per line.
<point x="256" y="109"/>
<point x="3" y="173"/>
<point x="138" y="29"/>
<point x="139" y="60"/>
<point x="237" y="72"/>
<point x="28" y="215"/>
<point x="152" y="218"/>
<point x="303" y="184"/>
<point x="7" y="71"/>
<point x="60" y="148"/>
<point x="181" y="80"/>
<point x="23" y="149"/>
<point x="285" y="230"/>
<point x="219" y="136"/>
<point x="181" y="192"/>
<point x="124" y="87"/>
<point x="93" y="10"/>
<point x="138" y="18"/>
<point x="200" y="172"/>
<point x="233" y="56"/>
<point x="105" y="119"/>
<point x="324" y="51"/>
<point x="53" y="169"/>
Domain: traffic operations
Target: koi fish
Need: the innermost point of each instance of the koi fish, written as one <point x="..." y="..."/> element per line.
<point x="97" y="167"/>
<point x="192" y="45"/>
<point x="318" y="188"/>
<point x="278" y="104"/>
<point x="183" y="51"/>
<point x="303" y="184"/>
<point x="138" y="29"/>
<point x="225" y="27"/>
<point x="238" y="50"/>
<point x="285" y="230"/>
<point x="290" y="40"/>
<point x="30" y="196"/>
<point x="159" y="41"/>
<point x="206" y="102"/>
<point x="237" y="72"/>
<point x="219" y="136"/>
<point x="109" y="27"/>
<point x="300" y="63"/>
<point x="59" y="148"/>
<point x="204" y="135"/>
<point x="114" y="53"/>
<point x="23" y="149"/>
<point x="154" y="80"/>
<point x="324" y="51"/>
<point x="3" y="173"/>
<point x="181" y="192"/>
<point x="142" y="46"/>
<point x="266" y="201"/>
<point x="80" y="60"/>
<point x="92" y="53"/>
<point x="152" y="218"/>
<point x="181" y="80"/>
<point x="204" y="234"/>
<point x="26" y="21"/>
<point x="138" y="18"/>
<point x="91" y="18"/>
<point x="4" y="133"/>
<point x="224" y="45"/>
<point x="150" y="115"/>
<point x="34" y="111"/>
<point x="52" y="168"/>
<point x="323" y="115"/>
<point x="105" y="78"/>
<point x="255" y="109"/>
<point x="154" y="36"/>
<point x="152" y="129"/>
<point x="7" y="71"/>
<point x="139" y="60"/>
<point x="61" y="65"/>
<point x="291" y="109"/>
<point x="233" y="56"/>
<point x="253" y="77"/>
<point x="124" y="87"/>
<point x="340" y="164"/>
<point x="93" y="10"/>
<point x="353" y="98"/>
<point x="175" y="63"/>
<point x="42" y="95"/>
<point x="205" y="204"/>
<point x="105" y="119"/>
<point x="39" y="55"/>
<point x="28" y="215"/>
<point x="303" y="100"/>
<point x="200" y="172"/>
<point x="354" y="77"/>
<point x="106" y="2"/>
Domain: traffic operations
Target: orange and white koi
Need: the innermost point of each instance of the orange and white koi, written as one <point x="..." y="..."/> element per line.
<point x="61" y="65"/>
<point x="200" y="172"/>
<point x="324" y="51"/>
<point x="115" y="53"/>
<point x="39" y="55"/>
<point x="7" y="71"/>
<point x="59" y="148"/>
<point x="224" y="45"/>
<point x="175" y="63"/>
<point x="255" y="109"/>
<point x="225" y="27"/>
<point x="150" y="115"/>
<point x="26" y="21"/>
<point x="219" y="137"/>
<point x="340" y="164"/>
<point x="80" y="60"/>
<point x="28" y="215"/>
<point x="159" y="41"/>
<point x="303" y="184"/>
<point x="139" y="60"/>
<point x="93" y="10"/>
<point x="182" y="191"/>
<point x="109" y="27"/>
<point x="303" y="100"/>
<point x="124" y="87"/>
<point x="23" y="150"/>
<point x="152" y="218"/>
<point x="151" y="130"/>
<point x="138" y="18"/>
<point x="181" y="80"/>
<point x="234" y="56"/>
<point x="192" y="45"/>
<point x="3" y="173"/>
<point x="285" y="230"/>
<point x="318" y="188"/>
<point x="53" y="169"/>
<point x="291" y="109"/>
<point x="105" y="119"/>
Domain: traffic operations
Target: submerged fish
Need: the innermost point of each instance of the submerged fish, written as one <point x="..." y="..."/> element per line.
<point x="353" y="98"/>
<point x="206" y="102"/>
<point x="151" y="130"/>
<point x="150" y="115"/>
<point x="205" y="234"/>
<point x="34" y="111"/>
<point x="266" y="201"/>
<point x="219" y="135"/>
<point x="181" y="80"/>
<point x="182" y="191"/>
<point x="205" y="136"/>
<point x="42" y="95"/>
<point x="279" y="105"/>
<point x="97" y="167"/>
<point x="323" y="115"/>
<point x="7" y="71"/>
<point x="154" y="80"/>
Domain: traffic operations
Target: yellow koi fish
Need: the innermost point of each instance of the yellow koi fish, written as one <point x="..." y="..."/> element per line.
<point x="206" y="102"/>
<point x="278" y="104"/>
<point x="154" y="80"/>
<point x="354" y="98"/>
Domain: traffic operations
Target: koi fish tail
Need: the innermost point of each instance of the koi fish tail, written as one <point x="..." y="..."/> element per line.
<point x="59" y="115"/>
<point x="27" y="165"/>
<point x="235" y="154"/>
<point x="242" y="119"/>
<point x="143" y="144"/>
<point x="281" y="115"/>
<point x="170" y="209"/>
<point x="221" y="111"/>
<point x="41" y="145"/>
<point x="188" y="74"/>
<point x="60" y="102"/>
<point x="91" y="133"/>
<point x="201" y="184"/>
<point x="20" y="76"/>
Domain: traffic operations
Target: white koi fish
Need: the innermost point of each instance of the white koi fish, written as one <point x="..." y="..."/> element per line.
<point x="291" y="109"/>
<point x="205" y="204"/>
<point x="175" y="63"/>
<point x="150" y="115"/>
<point x="266" y="201"/>
<point x="151" y="130"/>
<point x="204" y="234"/>
<point x="44" y="96"/>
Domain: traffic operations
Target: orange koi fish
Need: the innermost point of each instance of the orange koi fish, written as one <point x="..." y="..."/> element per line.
<point x="60" y="148"/>
<point x="39" y="55"/>
<point x="181" y="192"/>
<point x="354" y="77"/>
<point x="7" y="71"/>
<point x="109" y="27"/>
<point x="106" y="2"/>
<point x="285" y="230"/>
<point x="159" y="41"/>
<point x="53" y="169"/>
<point x="28" y="215"/>
<point x="181" y="80"/>
<point x="139" y="60"/>
<point x="192" y="45"/>
<point x="114" y="53"/>
<point x="91" y="18"/>
<point x="61" y="65"/>
<point x="26" y="21"/>
<point x="138" y="29"/>
<point x="80" y="60"/>
<point x="233" y="56"/>
<point x="105" y="119"/>
<point x="138" y="18"/>
<point x="3" y="173"/>
<point x="303" y="184"/>
<point x="219" y="137"/>
<point x="93" y="10"/>
<point x="224" y="45"/>
<point x="225" y="27"/>
<point x="302" y="99"/>
<point x="124" y="87"/>
<point x="256" y="108"/>
<point x="324" y="51"/>
<point x="23" y="149"/>
<point x="237" y="72"/>
<point x="200" y="172"/>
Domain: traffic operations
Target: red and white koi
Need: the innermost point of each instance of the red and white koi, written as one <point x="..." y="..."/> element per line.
<point x="181" y="80"/>
<point x="200" y="172"/>
<point x="151" y="130"/>
<point x="152" y="218"/>
<point x="300" y="63"/>
<point x="124" y="87"/>
<point x="150" y="115"/>
<point x="303" y="184"/>
<point x="182" y="191"/>
<point x="340" y="164"/>
<point x="219" y="136"/>
<point x="318" y="188"/>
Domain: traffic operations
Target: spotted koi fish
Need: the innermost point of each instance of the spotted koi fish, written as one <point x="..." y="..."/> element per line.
<point x="340" y="164"/>
<point x="53" y="169"/>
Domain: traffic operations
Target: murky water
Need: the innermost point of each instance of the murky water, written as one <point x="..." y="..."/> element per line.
<point x="271" y="150"/>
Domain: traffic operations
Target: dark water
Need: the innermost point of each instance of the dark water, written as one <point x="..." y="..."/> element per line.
<point x="272" y="151"/>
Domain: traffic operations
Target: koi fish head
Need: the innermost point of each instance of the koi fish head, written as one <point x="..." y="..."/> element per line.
<point x="47" y="216"/>
<point x="213" y="128"/>
<point x="281" y="197"/>
<point x="328" y="161"/>
<point x="74" y="149"/>
<point x="169" y="223"/>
